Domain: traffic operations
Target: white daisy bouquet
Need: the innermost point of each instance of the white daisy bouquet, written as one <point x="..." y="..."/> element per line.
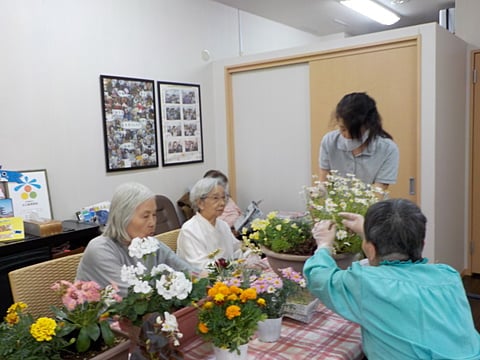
<point x="341" y="194"/>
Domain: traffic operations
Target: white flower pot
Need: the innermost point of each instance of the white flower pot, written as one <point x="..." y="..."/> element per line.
<point x="269" y="330"/>
<point x="225" y="354"/>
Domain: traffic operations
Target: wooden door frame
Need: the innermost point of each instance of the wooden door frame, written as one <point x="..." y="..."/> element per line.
<point x="471" y="222"/>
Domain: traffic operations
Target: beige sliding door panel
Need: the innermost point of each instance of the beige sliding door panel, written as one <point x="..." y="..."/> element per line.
<point x="390" y="75"/>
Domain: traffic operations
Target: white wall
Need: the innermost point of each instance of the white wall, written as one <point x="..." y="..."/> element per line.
<point x="441" y="109"/>
<point x="53" y="52"/>
<point x="467" y="26"/>
<point x="451" y="160"/>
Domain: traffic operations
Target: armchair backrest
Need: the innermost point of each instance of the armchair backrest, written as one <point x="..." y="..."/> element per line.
<point x="169" y="238"/>
<point x="167" y="217"/>
<point x="32" y="284"/>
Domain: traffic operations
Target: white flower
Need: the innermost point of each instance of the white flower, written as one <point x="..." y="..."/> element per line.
<point x="174" y="285"/>
<point x="139" y="247"/>
<point x="170" y="323"/>
<point x="142" y="287"/>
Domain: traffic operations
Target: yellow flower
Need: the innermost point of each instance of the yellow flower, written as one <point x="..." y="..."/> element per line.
<point x="218" y="298"/>
<point x="43" y="329"/>
<point x="208" y="305"/>
<point x="203" y="328"/>
<point x="261" y="302"/>
<point x="16" y="307"/>
<point x="12" y="318"/>
<point x="232" y="311"/>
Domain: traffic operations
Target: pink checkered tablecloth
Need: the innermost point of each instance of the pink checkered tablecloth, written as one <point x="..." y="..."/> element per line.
<point x="328" y="336"/>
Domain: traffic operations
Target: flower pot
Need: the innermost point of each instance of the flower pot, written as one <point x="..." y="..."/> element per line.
<point x="269" y="330"/>
<point x="344" y="260"/>
<point x="225" y="354"/>
<point x="187" y="319"/>
<point x="281" y="261"/>
<point x="118" y="352"/>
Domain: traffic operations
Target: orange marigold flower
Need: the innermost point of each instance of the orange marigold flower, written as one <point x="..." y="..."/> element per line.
<point x="235" y="289"/>
<point x="232" y="311"/>
<point x="203" y="328"/>
<point x="232" y="297"/>
<point x="248" y="294"/>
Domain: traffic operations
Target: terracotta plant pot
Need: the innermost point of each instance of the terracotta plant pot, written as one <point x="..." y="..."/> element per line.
<point x="187" y="319"/>
<point x="281" y="261"/>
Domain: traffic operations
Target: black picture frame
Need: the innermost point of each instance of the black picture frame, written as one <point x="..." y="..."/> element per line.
<point x="129" y="123"/>
<point x="180" y="123"/>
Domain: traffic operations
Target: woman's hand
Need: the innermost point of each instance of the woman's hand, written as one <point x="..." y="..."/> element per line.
<point x="324" y="233"/>
<point x="353" y="221"/>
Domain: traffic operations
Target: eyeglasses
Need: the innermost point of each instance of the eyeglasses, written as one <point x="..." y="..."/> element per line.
<point x="217" y="198"/>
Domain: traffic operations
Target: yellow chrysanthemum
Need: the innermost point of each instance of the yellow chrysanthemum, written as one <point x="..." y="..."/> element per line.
<point x="43" y="329"/>
<point x="203" y="328"/>
<point x="232" y="311"/>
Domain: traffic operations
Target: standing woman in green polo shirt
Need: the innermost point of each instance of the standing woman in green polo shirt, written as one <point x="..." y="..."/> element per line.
<point x="360" y="145"/>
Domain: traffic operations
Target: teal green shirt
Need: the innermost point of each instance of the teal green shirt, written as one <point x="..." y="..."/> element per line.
<point x="406" y="310"/>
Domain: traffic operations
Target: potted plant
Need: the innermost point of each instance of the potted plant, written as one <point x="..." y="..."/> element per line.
<point x="325" y="200"/>
<point x="275" y="290"/>
<point x="157" y="289"/>
<point x="80" y="327"/>
<point x="286" y="242"/>
<point x="229" y="318"/>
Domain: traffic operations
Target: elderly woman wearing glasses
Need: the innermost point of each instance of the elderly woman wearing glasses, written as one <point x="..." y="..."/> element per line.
<point x="205" y="237"/>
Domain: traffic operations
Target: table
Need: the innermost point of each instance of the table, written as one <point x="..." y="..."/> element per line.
<point x="328" y="337"/>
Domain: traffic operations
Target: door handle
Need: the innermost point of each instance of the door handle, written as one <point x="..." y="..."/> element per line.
<point x="411" y="186"/>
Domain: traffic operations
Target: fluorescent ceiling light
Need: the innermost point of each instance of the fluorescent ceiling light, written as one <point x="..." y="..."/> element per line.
<point x="372" y="10"/>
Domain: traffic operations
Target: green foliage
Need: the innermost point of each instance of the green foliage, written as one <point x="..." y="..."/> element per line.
<point x="281" y="235"/>
<point x="18" y="342"/>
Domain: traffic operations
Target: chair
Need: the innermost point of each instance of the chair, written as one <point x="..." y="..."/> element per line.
<point x="32" y="284"/>
<point x="167" y="217"/>
<point x="169" y="238"/>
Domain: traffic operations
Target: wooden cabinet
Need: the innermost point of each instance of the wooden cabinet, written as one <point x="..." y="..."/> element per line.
<point x="34" y="249"/>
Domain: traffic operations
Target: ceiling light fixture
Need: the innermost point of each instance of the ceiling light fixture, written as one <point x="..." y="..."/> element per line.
<point x="372" y="10"/>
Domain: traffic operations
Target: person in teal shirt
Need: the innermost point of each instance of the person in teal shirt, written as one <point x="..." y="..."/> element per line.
<point x="407" y="308"/>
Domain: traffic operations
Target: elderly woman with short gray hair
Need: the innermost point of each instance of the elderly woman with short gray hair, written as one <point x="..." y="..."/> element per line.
<point x="205" y="237"/>
<point x="132" y="214"/>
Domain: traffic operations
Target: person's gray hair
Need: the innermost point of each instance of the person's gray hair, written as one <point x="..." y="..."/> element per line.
<point x="202" y="188"/>
<point x="126" y="198"/>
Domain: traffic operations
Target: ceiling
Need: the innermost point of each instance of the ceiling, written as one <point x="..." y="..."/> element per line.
<point x="326" y="17"/>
